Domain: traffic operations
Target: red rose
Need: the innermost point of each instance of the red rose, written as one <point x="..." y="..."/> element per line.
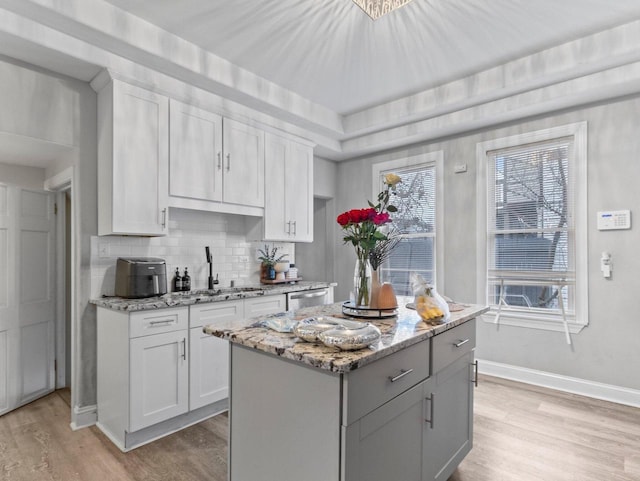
<point x="355" y="215"/>
<point x="343" y="219"/>
<point x="381" y="218"/>
<point x="370" y="213"/>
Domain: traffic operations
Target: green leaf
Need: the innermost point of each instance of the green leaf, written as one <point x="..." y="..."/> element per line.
<point x="392" y="208"/>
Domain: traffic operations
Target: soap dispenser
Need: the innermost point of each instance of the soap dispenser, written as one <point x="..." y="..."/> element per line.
<point x="186" y="281"/>
<point x="177" y="281"/>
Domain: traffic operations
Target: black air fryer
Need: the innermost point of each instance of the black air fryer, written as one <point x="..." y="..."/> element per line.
<point x="139" y="277"/>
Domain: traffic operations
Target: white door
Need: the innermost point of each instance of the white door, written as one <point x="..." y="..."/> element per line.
<point x="27" y="296"/>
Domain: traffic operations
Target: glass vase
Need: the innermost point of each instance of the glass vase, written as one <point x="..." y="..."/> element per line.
<point x="362" y="283"/>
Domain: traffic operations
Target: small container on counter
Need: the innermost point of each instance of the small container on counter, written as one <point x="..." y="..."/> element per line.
<point x="176" y="284"/>
<point x="186" y="281"/>
<point x="292" y="273"/>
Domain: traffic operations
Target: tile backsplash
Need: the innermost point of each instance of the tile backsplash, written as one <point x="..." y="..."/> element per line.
<point x="233" y="254"/>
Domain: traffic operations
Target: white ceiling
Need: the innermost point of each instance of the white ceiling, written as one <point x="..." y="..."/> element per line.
<point x="331" y="53"/>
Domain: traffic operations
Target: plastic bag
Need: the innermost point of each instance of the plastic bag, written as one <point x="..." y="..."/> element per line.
<point x="429" y="304"/>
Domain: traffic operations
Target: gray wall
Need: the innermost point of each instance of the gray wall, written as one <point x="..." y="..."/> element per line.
<point x="607" y="350"/>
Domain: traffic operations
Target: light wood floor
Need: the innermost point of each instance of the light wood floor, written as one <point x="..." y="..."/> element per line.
<point x="522" y="433"/>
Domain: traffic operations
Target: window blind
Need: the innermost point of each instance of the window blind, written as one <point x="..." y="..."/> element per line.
<point x="415" y="222"/>
<point x="531" y="222"/>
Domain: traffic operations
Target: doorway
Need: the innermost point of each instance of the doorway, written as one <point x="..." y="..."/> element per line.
<point x="27" y="295"/>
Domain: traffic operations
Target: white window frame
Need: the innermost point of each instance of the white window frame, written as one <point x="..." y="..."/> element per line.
<point x="431" y="159"/>
<point x="578" y="164"/>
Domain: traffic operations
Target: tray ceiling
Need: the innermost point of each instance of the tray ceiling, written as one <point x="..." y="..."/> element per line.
<point x="333" y="54"/>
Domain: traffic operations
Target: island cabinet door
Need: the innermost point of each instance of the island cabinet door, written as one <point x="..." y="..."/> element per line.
<point x="386" y="444"/>
<point x="448" y="432"/>
<point x="159" y="378"/>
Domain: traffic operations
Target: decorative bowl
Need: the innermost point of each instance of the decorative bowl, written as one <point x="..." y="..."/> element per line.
<point x="350" y="339"/>
<point x="309" y="329"/>
<point x="282" y="266"/>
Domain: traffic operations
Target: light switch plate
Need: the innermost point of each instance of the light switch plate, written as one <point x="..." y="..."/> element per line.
<point x="614" y="219"/>
<point x="460" y="168"/>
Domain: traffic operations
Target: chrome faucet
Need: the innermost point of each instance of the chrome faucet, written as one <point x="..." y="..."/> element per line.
<point x="212" y="281"/>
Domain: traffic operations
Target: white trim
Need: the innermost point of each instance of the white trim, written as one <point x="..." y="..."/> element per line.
<point x="61" y="290"/>
<point x="546" y="323"/>
<point x="583" y="387"/>
<point x="436" y="159"/>
<point x="60" y="181"/>
<point x="578" y="131"/>
<point x="83" y="417"/>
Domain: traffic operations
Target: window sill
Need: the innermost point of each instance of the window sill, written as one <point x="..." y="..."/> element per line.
<point x="532" y="321"/>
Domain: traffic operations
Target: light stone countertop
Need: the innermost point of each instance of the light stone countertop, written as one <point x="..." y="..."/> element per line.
<point x="398" y="332"/>
<point x="178" y="299"/>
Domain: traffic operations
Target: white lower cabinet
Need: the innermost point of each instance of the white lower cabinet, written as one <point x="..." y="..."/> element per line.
<point x="158" y="372"/>
<point x="209" y="371"/>
<point x="146" y="364"/>
<point x="159" y="378"/>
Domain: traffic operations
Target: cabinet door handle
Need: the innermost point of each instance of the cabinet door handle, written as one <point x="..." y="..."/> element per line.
<point x="157" y="323"/>
<point x="475" y="373"/>
<point x="460" y="343"/>
<point x="289" y="228"/>
<point x="219" y="160"/>
<point x="402" y="374"/>
<point x="228" y="162"/>
<point x="164" y="218"/>
<point x="295" y="228"/>
<point x="431" y="400"/>
<point x="184" y="348"/>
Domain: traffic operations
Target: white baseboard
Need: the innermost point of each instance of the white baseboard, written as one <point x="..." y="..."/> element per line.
<point x="583" y="387"/>
<point x="83" y="417"/>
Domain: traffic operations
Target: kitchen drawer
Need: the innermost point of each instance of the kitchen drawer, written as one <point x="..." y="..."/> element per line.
<point x="368" y="388"/>
<point x="157" y="321"/>
<point x="452" y="344"/>
<point x="216" y="313"/>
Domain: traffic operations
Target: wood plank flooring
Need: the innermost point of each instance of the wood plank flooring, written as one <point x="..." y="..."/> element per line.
<point x="522" y="433"/>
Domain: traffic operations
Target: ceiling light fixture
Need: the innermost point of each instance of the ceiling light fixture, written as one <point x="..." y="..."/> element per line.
<point x="377" y="8"/>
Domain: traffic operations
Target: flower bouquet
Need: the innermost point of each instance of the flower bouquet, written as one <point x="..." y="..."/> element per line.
<point x="367" y="230"/>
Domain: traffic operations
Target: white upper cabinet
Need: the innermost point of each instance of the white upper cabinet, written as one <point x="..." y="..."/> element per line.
<point x="215" y="164"/>
<point x="133" y="155"/>
<point x="243" y="164"/>
<point x="288" y="214"/>
<point x="195" y="159"/>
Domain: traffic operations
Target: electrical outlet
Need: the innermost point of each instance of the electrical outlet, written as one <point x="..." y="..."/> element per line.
<point x="103" y="250"/>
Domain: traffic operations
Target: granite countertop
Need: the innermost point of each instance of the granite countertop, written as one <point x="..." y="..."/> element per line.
<point x="178" y="299"/>
<point x="398" y="332"/>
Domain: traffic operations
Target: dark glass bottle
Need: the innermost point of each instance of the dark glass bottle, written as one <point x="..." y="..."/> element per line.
<point x="186" y="281"/>
<point x="177" y="281"/>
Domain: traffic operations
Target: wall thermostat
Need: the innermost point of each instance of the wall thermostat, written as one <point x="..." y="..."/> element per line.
<point x="614" y="219"/>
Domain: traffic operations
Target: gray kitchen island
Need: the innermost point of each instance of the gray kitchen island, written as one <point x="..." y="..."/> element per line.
<point x="400" y="409"/>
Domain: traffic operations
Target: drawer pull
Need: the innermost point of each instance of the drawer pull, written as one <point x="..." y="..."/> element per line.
<point x="157" y="323"/>
<point x="475" y="372"/>
<point x="460" y="343"/>
<point x="402" y="374"/>
<point x="431" y="398"/>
